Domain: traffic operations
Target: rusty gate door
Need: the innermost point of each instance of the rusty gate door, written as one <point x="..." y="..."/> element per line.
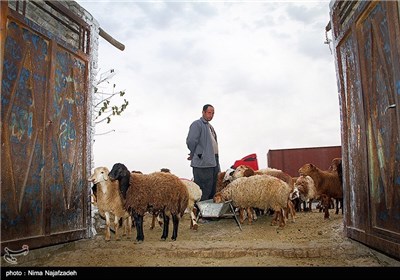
<point x="366" y="36"/>
<point x="44" y="191"/>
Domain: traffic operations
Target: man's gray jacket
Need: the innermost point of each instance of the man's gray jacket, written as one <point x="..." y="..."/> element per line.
<point x="199" y="143"/>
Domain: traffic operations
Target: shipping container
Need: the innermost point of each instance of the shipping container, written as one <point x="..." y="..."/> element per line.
<point x="290" y="160"/>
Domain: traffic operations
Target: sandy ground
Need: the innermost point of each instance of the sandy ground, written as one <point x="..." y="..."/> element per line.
<point x="309" y="242"/>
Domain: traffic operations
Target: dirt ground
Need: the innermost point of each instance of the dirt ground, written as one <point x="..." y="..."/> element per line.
<point x="309" y="242"/>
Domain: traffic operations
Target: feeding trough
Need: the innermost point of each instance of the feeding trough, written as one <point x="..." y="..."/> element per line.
<point x="209" y="209"/>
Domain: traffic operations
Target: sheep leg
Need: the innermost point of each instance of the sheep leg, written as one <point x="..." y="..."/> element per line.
<point x="255" y="214"/>
<point x="275" y="218"/>
<point x="127" y="226"/>
<point x="165" y="227"/>
<point x="124" y="226"/>
<point x="325" y="203"/>
<point x="326" y="212"/>
<point x="281" y="219"/>
<point x="341" y="204"/>
<point x="249" y="215"/>
<point x="108" y="234"/>
<point x="292" y="211"/>
<point x="116" y="227"/>
<point x="129" y="229"/>
<point x="139" y="227"/>
<point x="153" y="221"/>
<point x="337" y="206"/>
<point x="241" y="215"/>
<point x="305" y="206"/>
<point x="175" y="224"/>
<point x="339" y="201"/>
<point x="160" y="219"/>
<point x="193" y="223"/>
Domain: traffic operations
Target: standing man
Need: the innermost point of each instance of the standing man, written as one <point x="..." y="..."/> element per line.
<point x="203" y="146"/>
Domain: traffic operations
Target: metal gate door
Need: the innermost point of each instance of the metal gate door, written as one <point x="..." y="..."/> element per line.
<point x="44" y="191"/>
<point x="368" y="62"/>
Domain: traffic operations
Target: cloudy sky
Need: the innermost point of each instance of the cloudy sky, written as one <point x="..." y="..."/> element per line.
<point x="263" y="65"/>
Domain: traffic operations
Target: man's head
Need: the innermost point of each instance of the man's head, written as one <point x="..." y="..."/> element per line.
<point x="208" y="112"/>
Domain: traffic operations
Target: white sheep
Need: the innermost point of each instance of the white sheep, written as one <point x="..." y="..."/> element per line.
<point x="246" y="171"/>
<point x="258" y="191"/>
<point x="195" y="193"/>
<point x="304" y="188"/>
<point x="109" y="202"/>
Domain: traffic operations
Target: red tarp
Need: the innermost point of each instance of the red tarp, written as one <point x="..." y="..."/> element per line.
<point x="250" y="161"/>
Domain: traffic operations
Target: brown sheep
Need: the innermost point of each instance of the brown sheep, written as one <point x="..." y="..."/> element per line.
<point x="223" y="179"/>
<point x="109" y="202"/>
<point x="336" y="167"/>
<point x="326" y="182"/>
<point x="155" y="192"/>
<point x="194" y="192"/>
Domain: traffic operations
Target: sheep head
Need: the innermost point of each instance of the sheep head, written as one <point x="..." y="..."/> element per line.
<point x="243" y="171"/>
<point x="100" y="174"/>
<point x="218" y="198"/>
<point x="121" y="173"/>
<point x="307" y="169"/>
<point x="118" y="171"/>
<point x="303" y="184"/>
<point x="294" y="194"/>
<point x="336" y="164"/>
<point x="228" y="175"/>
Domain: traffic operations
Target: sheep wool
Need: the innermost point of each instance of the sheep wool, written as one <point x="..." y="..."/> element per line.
<point x="306" y="187"/>
<point x="160" y="190"/>
<point x="258" y="191"/>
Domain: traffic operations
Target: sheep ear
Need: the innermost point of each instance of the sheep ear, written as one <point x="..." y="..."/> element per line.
<point x="248" y="172"/>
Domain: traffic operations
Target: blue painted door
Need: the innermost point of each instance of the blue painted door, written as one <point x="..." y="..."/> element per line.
<point x="44" y="190"/>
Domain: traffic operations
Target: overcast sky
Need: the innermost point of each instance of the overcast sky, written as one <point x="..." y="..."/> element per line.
<point x="263" y="65"/>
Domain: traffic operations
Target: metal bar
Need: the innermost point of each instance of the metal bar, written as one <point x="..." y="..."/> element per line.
<point x="234" y="215"/>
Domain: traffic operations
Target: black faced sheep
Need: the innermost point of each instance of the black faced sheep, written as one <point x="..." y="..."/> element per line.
<point x="155" y="192"/>
<point x="109" y="202"/>
<point x="258" y="191"/>
<point x="326" y="182"/>
<point x="296" y="199"/>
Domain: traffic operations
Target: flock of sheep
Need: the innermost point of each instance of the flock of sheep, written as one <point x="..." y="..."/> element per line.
<point x="123" y="195"/>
